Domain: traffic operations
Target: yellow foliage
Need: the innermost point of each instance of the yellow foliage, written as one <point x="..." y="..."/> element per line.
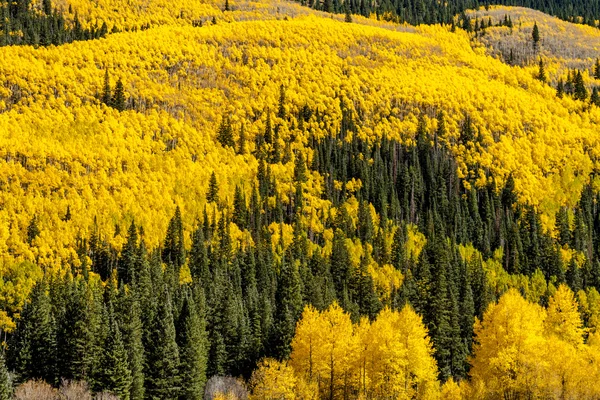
<point x="390" y="357"/>
<point x="415" y="242"/>
<point x="273" y="380"/>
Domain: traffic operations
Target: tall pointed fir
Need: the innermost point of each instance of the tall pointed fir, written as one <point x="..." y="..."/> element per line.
<point x="193" y="348"/>
<point x="32" y="352"/>
<point x="162" y="361"/>
<point x="116" y="375"/>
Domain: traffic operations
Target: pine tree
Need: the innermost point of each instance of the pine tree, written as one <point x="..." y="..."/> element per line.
<point x="193" y="345"/>
<point x="133" y="341"/>
<point x="162" y="362"/>
<point x="281" y="109"/>
<point x="348" y="17"/>
<point x="129" y="256"/>
<point x="595" y="98"/>
<point x="115" y="369"/>
<point x="33" y="347"/>
<point x="33" y="230"/>
<point x="226" y="6"/>
<point x="541" y="71"/>
<point x="225" y="133"/>
<point x="174" y="247"/>
<point x="212" y="195"/>
<point x="535" y="35"/>
<point x="560" y="89"/>
<point x="597" y="69"/>
<point x="118" y="100"/>
<point x="107" y="91"/>
<point x="580" y="91"/>
<point x="242" y="141"/>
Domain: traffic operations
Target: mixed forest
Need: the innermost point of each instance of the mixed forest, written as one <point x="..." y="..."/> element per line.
<point x="312" y="200"/>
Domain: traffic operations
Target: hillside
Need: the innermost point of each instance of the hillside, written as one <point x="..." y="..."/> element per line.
<point x="215" y="189"/>
<point x="569" y="45"/>
<point x="74" y="152"/>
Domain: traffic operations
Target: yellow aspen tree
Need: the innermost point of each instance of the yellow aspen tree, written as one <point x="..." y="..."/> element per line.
<point x="563" y="319"/>
<point x="509" y="353"/>
<point x="273" y="380"/>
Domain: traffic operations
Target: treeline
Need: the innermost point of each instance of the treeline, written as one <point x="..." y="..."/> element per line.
<point x="23" y="23"/>
<point x="417" y="12"/>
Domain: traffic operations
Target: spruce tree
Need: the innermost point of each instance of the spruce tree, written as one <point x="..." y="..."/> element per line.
<point x="116" y="375"/>
<point x="242" y="141"/>
<point x="129" y="256"/>
<point x="281" y="109"/>
<point x="212" y="195"/>
<point x="580" y="91"/>
<point x="174" y="247"/>
<point x="535" y="35"/>
<point x="33" y="230"/>
<point x="595" y="98"/>
<point x="118" y="100"/>
<point x="597" y="69"/>
<point x="193" y="347"/>
<point x="288" y="305"/>
<point x="225" y="133"/>
<point x="541" y="71"/>
<point x="162" y="361"/>
<point x="133" y="341"/>
<point x="560" y="89"/>
<point x="107" y="91"/>
<point x="33" y="347"/>
<point x="348" y="17"/>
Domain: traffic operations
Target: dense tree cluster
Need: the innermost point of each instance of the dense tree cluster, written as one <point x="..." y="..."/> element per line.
<point x="417" y="12"/>
<point x="27" y="24"/>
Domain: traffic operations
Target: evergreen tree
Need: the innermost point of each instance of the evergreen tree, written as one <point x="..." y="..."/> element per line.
<point x="597" y="69"/>
<point x="193" y="345"/>
<point x="595" y="98"/>
<point x="33" y="347"/>
<point x="288" y="305"/>
<point x="33" y="230"/>
<point x="162" y="362"/>
<point x="348" y="17"/>
<point x="560" y="89"/>
<point x="225" y="133"/>
<point x="226" y="6"/>
<point x="129" y="256"/>
<point x="116" y="375"/>
<point x="174" y="247"/>
<point x="580" y="91"/>
<point x="281" y="109"/>
<point x="541" y="71"/>
<point x="118" y="100"/>
<point x="535" y="35"/>
<point x="242" y="141"/>
<point x="212" y="195"/>
<point x="107" y="91"/>
<point x="133" y="341"/>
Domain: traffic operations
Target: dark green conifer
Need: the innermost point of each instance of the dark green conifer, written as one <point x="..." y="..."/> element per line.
<point x="162" y="362"/>
<point x="225" y="133"/>
<point x="560" y="89"/>
<point x="193" y="345"/>
<point x="541" y="71"/>
<point x="118" y="100"/>
<point x="33" y="230"/>
<point x="212" y="195"/>
<point x="116" y="375"/>
<point x="535" y="35"/>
